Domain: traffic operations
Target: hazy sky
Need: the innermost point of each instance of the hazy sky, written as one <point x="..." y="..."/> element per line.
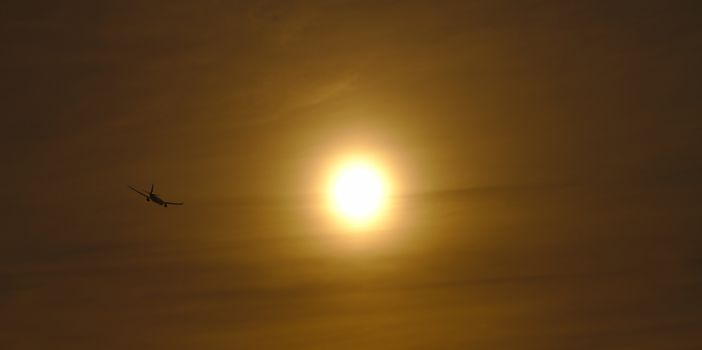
<point x="546" y="159"/>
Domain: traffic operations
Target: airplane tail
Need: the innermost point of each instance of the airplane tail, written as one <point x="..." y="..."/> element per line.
<point x="152" y="189"/>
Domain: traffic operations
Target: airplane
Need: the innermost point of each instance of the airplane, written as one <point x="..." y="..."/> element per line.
<point x="153" y="197"/>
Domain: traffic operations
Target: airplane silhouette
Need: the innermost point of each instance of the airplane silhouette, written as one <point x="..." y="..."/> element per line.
<point x="153" y="197"/>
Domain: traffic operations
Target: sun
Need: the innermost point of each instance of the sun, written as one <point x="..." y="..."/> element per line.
<point x="358" y="192"/>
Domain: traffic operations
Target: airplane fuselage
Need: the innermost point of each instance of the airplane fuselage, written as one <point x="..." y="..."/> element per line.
<point x="156" y="199"/>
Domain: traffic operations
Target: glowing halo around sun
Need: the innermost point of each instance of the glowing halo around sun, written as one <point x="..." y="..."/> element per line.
<point x="358" y="192"/>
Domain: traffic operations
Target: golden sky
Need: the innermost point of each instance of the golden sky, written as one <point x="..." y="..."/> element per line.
<point x="543" y="157"/>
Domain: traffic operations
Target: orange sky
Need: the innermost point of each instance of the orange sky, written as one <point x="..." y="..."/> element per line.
<point x="545" y="158"/>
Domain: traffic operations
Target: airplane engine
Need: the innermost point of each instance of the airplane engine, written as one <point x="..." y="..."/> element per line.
<point x="147" y="199"/>
<point x="165" y="205"/>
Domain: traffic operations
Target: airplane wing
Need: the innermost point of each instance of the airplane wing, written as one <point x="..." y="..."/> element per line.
<point x="174" y="203"/>
<point x="139" y="192"/>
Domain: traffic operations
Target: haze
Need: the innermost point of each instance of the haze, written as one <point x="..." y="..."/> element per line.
<point x="545" y="159"/>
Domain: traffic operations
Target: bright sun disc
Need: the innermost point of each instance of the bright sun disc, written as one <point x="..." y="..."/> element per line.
<point x="358" y="192"/>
